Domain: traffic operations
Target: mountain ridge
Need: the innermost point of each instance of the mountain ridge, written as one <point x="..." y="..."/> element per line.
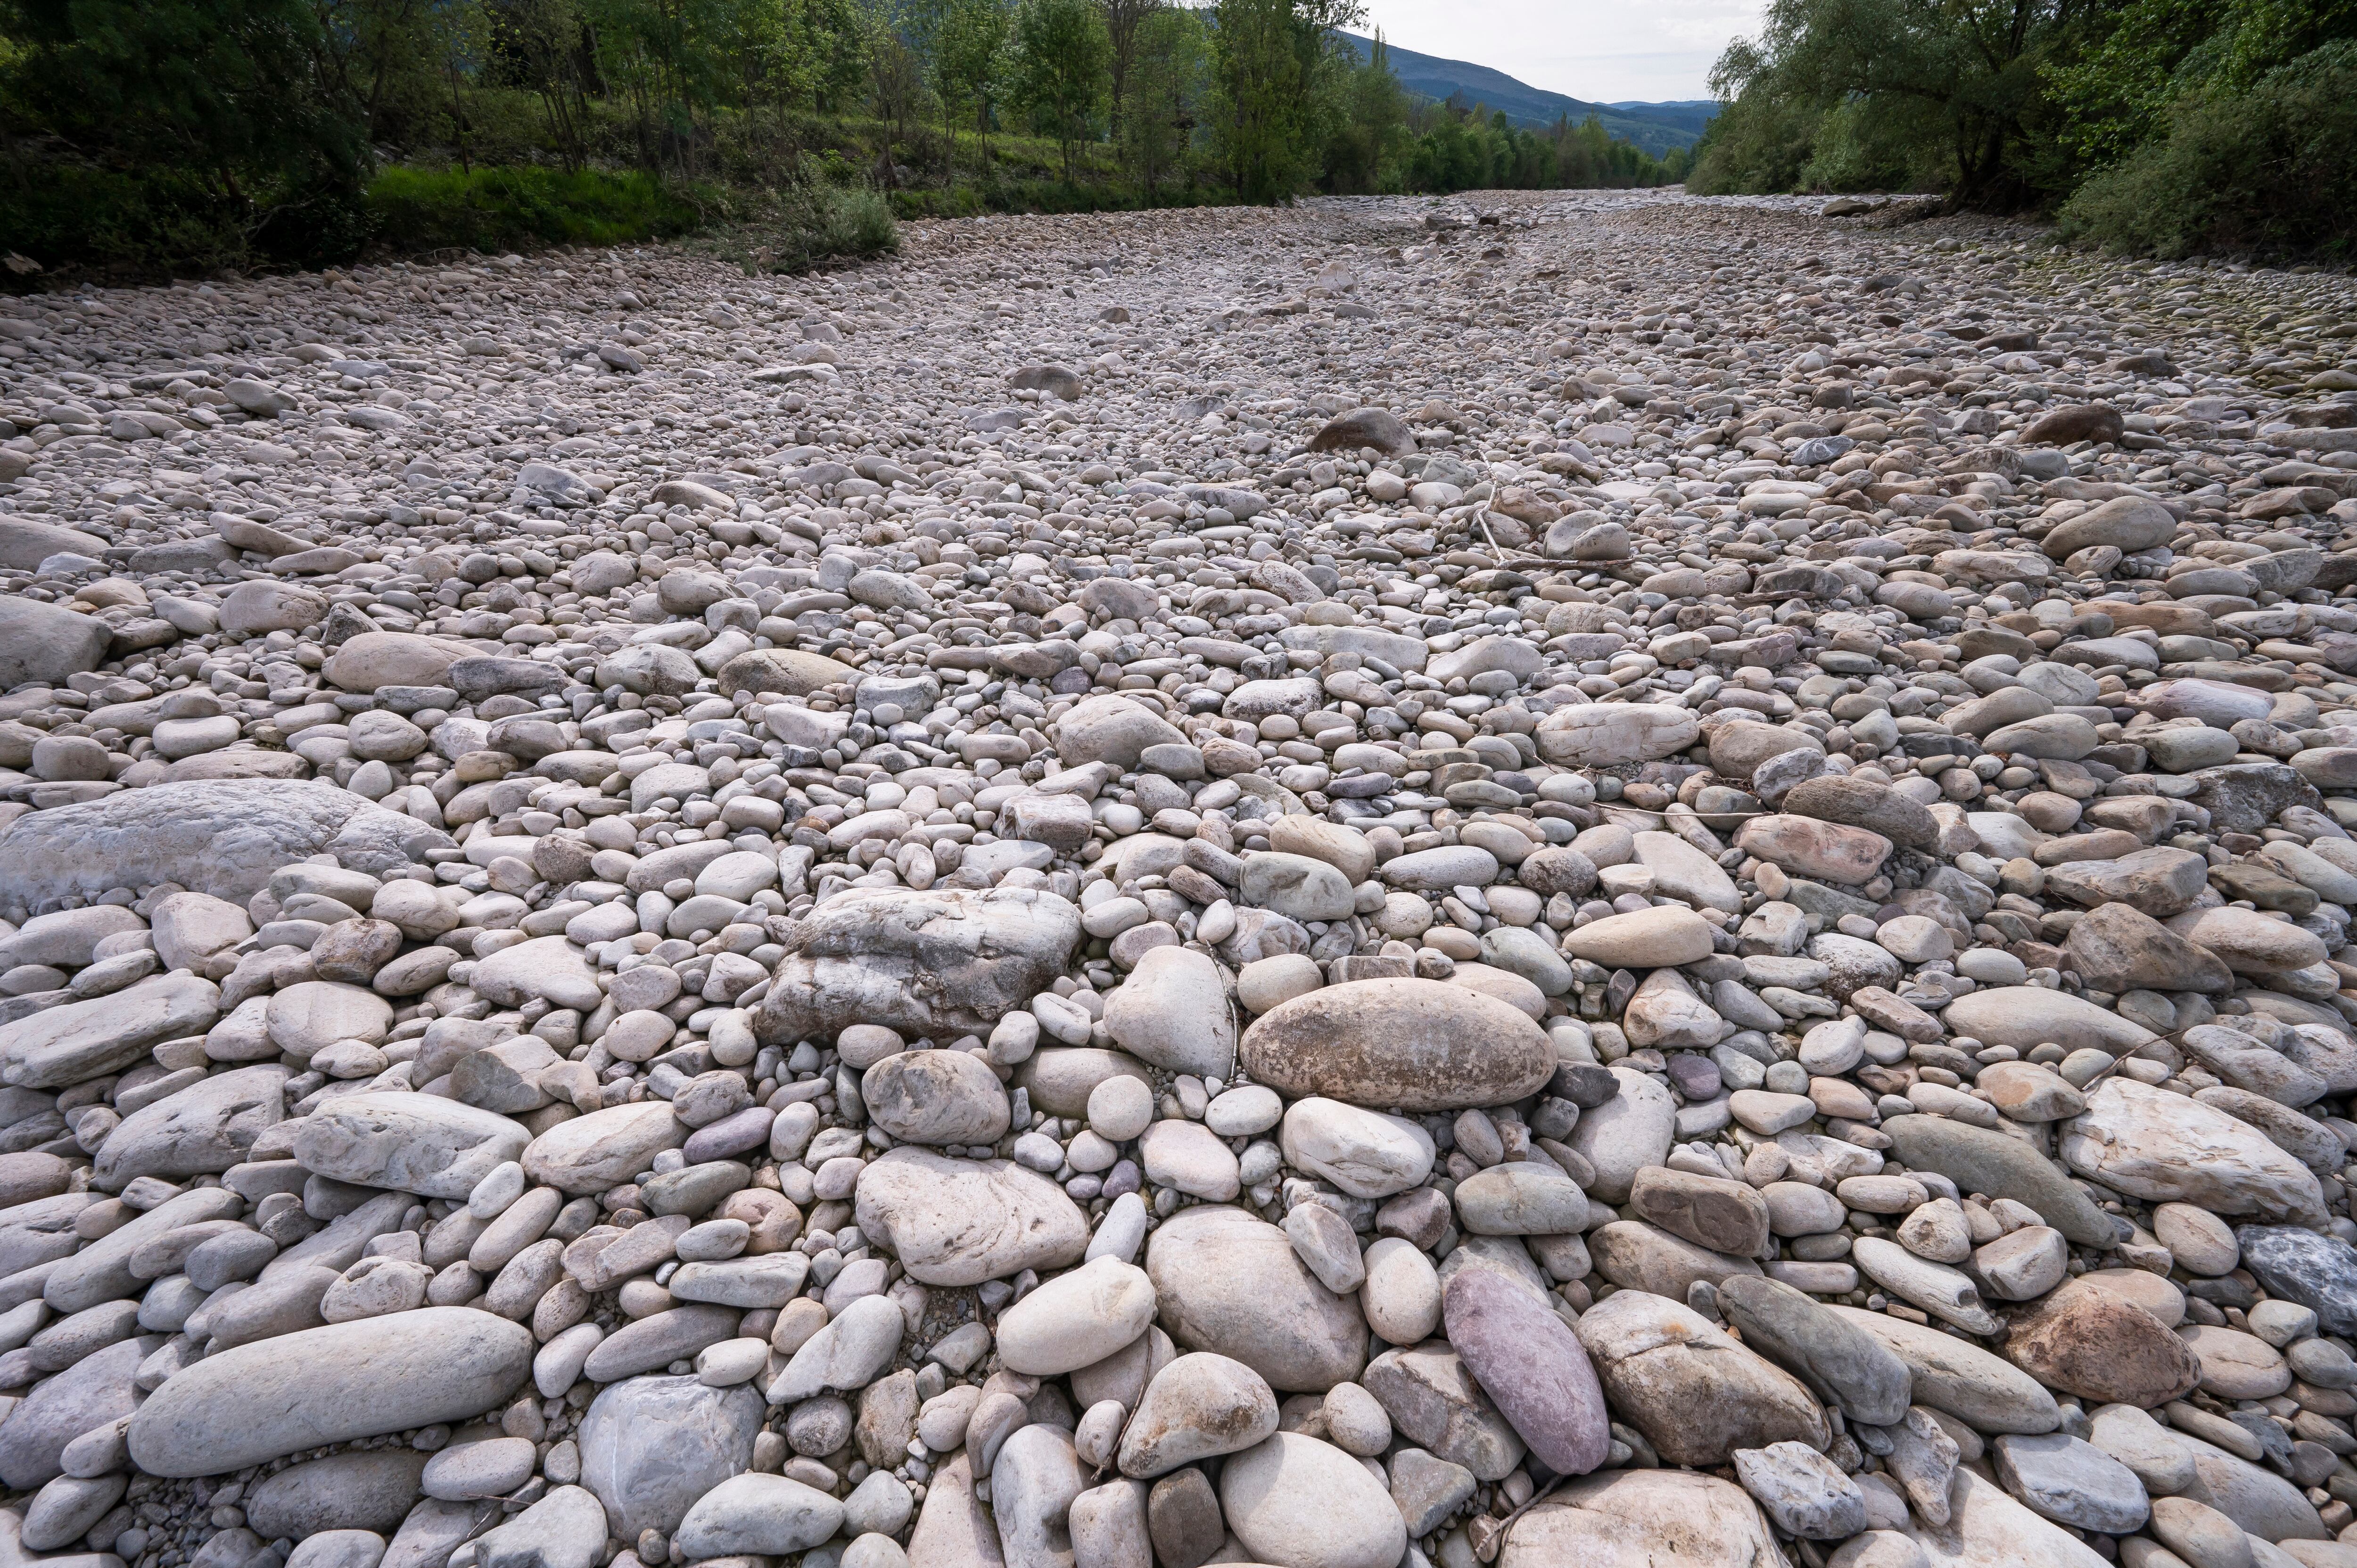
<point x="1655" y="128"/>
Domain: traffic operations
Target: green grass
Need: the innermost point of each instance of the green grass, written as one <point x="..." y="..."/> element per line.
<point x="525" y="207"/>
<point x="968" y="200"/>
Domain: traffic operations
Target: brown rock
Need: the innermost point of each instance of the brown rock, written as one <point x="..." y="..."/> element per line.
<point x="2087" y="1342"/>
<point x="2114" y="948"/>
<point x="1413" y="1044"/>
<point x="1724" y="1216"/>
<point x="1861" y="803"/>
<point x="2075" y="422"/>
<point x="1828" y="851"/>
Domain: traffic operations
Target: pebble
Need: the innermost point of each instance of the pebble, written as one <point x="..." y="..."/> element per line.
<point x="1633" y="763"/>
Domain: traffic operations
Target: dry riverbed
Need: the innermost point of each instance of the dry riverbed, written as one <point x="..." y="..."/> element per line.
<point x="1565" y="877"/>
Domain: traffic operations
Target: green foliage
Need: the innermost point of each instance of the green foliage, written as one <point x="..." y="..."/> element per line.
<point x="1275" y="64"/>
<point x="2272" y="171"/>
<point x="1373" y="132"/>
<point x="116" y="222"/>
<point x="1168" y="79"/>
<point x="2158" y="53"/>
<point x="1469" y="151"/>
<point x="153" y="136"/>
<point x="970" y="60"/>
<point x="1902" y="93"/>
<point x="202" y="127"/>
<point x="1062" y="70"/>
<point x="499" y="209"/>
<point x="2179" y="125"/>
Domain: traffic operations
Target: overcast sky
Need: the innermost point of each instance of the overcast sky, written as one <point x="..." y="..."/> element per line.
<point x="1602" y="50"/>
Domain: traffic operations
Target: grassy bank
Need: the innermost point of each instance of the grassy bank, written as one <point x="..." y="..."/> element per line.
<point x="116" y="227"/>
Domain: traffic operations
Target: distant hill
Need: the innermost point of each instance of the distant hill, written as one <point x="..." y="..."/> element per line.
<point x="1692" y="113"/>
<point x="1655" y="128"/>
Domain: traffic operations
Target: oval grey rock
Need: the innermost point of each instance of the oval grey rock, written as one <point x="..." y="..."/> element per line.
<point x="411" y="1143"/>
<point x="708" y="1437"/>
<point x="319" y="1386"/>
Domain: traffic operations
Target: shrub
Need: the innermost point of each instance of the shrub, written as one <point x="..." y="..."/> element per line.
<point x="809" y="223"/>
<point x="2272" y="171"/>
<point x="158" y="222"/>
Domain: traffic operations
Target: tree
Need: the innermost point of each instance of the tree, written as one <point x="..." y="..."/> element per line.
<point x="1942" y="93"/>
<point x="1373" y="125"/>
<point x="241" y="96"/>
<point x="970" y="61"/>
<point x="896" y="89"/>
<point x="1169" y="75"/>
<point x="2154" y="53"/>
<point x="542" y="46"/>
<point x="1060" y="57"/>
<point x="1276" y="66"/>
<point x="1122" y="21"/>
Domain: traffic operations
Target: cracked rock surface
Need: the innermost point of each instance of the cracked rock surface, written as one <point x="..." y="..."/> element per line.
<point x="1549" y="877"/>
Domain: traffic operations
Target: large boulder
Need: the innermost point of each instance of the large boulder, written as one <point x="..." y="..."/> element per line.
<point x="960" y="1222"/>
<point x="1113" y="730"/>
<point x="1357" y="427"/>
<point x="1306" y="1504"/>
<point x="204" y="1129"/>
<point x="605" y="1148"/>
<point x="787" y="672"/>
<point x="1957" y="1377"/>
<point x="1986" y="1529"/>
<point x="2093" y="1342"/>
<point x="221" y="836"/>
<point x="1856" y="1374"/>
<point x="24" y="543"/>
<point x="939" y="964"/>
<point x="1532" y="1367"/>
<point x="2027" y="1016"/>
<point x="409" y="1142"/>
<point x="82" y="1040"/>
<point x="1173" y="1013"/>
<point x="2316" y="1270"/>
<point x="1608" y="734"/>
<point x="707" y="1436"/>
<point x="375" y="658"/>
<point x="2127" y="523"/>
<point x="1978" y="1159"/>
<point x="45" y="642"/>
<point x="94" y="1390"/>
<point x="369" y="1488"/>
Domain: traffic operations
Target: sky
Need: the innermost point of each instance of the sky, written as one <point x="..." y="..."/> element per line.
<point x="1601" y="50"/>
